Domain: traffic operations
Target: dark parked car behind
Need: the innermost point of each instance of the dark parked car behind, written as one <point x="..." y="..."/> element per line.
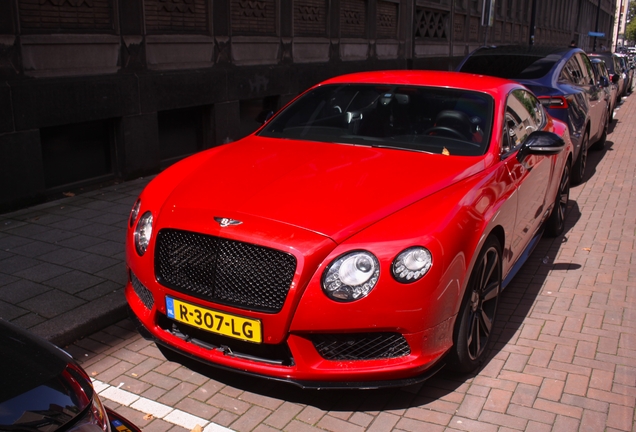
<point x="615" y="68"/>
<point x="628" y="69"/>
<point x="44" y="390"/>
<point x="607" y="81"/>
<point x="564" y="82"/>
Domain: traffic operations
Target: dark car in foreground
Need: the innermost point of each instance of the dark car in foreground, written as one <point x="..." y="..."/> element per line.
<point x="564" y="81"/>
<point x="44" y="390"/>
<point x="360" y="238"/>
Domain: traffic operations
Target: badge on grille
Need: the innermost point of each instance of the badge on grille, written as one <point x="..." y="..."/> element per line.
<point x="224" y="222"/>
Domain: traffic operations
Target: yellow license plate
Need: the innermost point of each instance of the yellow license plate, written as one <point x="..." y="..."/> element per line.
<point x="222" y="323"/>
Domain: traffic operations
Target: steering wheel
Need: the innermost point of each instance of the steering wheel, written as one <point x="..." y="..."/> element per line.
<point x="441" y="130"/>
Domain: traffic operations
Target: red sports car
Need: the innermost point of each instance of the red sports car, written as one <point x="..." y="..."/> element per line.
<point x="360" y="238"/>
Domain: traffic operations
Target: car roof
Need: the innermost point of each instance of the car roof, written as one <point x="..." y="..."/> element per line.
<point x="457" y="80"/>
<point x="534" y="63"/>
<point x="530" y="50"/>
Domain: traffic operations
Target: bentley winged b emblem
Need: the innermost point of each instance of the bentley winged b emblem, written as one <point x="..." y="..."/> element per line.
<point x="225" y="222"/>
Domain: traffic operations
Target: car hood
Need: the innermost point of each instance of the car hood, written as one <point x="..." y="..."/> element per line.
<point x="42" y="387"/>
<point x="334" y="190"/>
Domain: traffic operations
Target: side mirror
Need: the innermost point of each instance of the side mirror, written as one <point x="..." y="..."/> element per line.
<point x="615" y="79"/>
<point x="604" y="82"/>
<point x="541" y="143"/>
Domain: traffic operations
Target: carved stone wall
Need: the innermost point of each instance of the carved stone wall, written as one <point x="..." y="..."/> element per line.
<point x="66" y="16"/>
<point x="176" y="16"/>
<point x="254" y="17"/>
<point x="431" y="24"/>
<point x="387" y="20"/>
<point x="353" y="18"/>
<point x="310" y="18"/>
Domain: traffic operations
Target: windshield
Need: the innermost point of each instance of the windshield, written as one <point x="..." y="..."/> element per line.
<point x="510" y="66"/>
<point x="428" y="119"/>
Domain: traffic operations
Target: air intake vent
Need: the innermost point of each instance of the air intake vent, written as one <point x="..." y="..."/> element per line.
<point x="144" y="293"/>
<point x="361" y="346"/>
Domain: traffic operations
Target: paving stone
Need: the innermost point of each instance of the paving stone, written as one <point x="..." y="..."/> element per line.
<point x="74" y="281"/>
<point x="28" y="320"/>
<point x="21" y="290"/>
<point x="93" y="264"/>
<point x="81" y="242"/>
<point x="51" y="303"/>
<point x="6" y="279"/>
<point x="99" y="290"/>
<point x="62" y="256"/>
<point x="17" y="263"/>
<point x="42" y="272"/>
<point x="10" y="312"/>
<point x="34" y="249"/>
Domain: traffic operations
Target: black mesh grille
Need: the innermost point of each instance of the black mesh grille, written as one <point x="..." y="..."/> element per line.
<point x="144" y="293"/>
<point x="361" y="346"/>
<point x="224" y="271"/>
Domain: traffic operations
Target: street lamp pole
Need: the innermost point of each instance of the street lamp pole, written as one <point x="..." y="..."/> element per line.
<point x="598" y="11"/>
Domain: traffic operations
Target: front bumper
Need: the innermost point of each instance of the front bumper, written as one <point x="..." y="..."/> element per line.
<point x="297" y="359"/>
<point x="178" y="355"/>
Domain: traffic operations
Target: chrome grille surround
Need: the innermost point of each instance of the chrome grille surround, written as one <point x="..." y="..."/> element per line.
<point x="224" y="271"/>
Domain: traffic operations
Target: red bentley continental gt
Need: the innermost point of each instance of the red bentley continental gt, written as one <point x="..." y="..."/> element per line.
<point x="360" y="238"/>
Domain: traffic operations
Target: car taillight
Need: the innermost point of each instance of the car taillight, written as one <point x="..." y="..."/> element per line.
<point x="554" y="102"/>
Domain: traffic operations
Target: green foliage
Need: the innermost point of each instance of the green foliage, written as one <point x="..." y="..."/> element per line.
<point x="630" y="28"/>
<point x="630" y="31"/>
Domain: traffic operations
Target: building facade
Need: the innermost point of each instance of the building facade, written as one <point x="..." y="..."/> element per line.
<point x="101" y="90"/>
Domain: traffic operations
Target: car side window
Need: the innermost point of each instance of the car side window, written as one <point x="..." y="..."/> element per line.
<point x="524" y="115"/>
<point x="572" y="72"/>
<point x="586" y="68"/>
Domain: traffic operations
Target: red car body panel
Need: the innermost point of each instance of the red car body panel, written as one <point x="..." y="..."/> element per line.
<point x="317" y="201"/>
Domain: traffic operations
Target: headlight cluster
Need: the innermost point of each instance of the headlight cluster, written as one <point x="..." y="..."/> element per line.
<point x="411" y="264"/>
<point x="353" y="275"/>
<point x="143" y="231"/>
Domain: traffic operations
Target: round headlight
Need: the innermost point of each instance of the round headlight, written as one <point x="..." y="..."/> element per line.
<point x="411" y="264"/>
<point x="143" y="233"/>
<point x="134" y="213"/>
<point x="351" y="276"/>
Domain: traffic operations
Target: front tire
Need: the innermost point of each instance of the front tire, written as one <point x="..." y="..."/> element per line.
<point x="556" y="222"/>
<point x="473" y="329"/>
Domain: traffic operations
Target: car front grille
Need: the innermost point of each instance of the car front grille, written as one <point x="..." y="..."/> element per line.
<point x="142" y="292"/>
<point x="361" y="346"/>
<point x="224" y="271"/>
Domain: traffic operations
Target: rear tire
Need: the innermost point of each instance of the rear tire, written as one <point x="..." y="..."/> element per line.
<point x="476" y="318"/>
<point x="578" y="171"/>
<point x="600" y="144"/>
<point x="556" y="222"/>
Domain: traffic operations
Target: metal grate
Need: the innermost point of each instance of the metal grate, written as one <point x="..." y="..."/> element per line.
<point x="361" y="346"/>
<point x="144" y="293"/>
<point x="224" y="271"/>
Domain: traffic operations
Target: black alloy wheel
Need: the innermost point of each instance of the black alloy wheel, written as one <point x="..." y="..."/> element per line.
<point x="476" y="317"/>
<point x="556" y="222"/>
<point x="578" y="173"/>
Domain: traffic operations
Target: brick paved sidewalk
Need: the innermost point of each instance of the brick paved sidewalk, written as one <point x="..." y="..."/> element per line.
<point x="564" y="360"/>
